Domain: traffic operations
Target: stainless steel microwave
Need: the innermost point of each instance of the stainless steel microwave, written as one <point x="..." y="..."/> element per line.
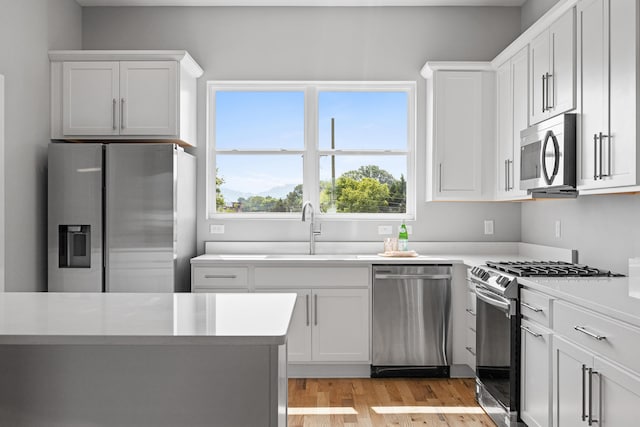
<point x="548" y="157"/>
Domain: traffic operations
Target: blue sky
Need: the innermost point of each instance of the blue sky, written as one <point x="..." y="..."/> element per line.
<point x="275" y="120"/>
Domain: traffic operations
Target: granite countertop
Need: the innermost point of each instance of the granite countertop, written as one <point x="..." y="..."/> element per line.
<point x="141" y="319"/>
<point x="616" y="297"/>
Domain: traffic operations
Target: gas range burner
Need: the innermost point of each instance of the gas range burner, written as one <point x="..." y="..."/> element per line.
<point x="548" y="269"/>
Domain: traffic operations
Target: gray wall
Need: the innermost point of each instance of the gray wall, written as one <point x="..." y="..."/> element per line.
<point x="604" y="229"/>
<point x="323" y="44"/>
<point x="532" y="10"/>
<point x="28" y="29"/>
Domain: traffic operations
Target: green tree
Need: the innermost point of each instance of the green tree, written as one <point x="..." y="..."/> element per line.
<point x="365" y="195"/>
<point x="219" y="197"/>
<point x="293" y="200"/>
<point x="398" y="196"/>
<point x="371" y="171"/>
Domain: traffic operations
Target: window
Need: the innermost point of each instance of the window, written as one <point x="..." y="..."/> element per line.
<point x="347" y="147"/>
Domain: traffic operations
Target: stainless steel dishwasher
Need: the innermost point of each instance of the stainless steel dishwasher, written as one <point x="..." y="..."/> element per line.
<point x="411" y="321"/>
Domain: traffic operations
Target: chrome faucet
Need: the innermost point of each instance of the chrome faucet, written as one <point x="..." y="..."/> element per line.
<point x="312" y="226"/>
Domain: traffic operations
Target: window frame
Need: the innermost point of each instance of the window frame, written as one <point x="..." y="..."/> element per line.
<point x="311" y="152"/>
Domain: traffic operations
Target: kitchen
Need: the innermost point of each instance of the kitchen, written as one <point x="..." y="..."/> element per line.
<point x="284" y="44"/>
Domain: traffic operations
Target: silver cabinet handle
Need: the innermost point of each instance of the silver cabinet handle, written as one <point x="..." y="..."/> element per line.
<point x="530" y="307"/>
<point x="220" y="276"/>
<point x="506" y="176"/>
<point x="315" y="309"/>
<point x="440" y="178"/>
<point x="584" y="404"/>
<point x="471" y="312"/>
<point x="589" y="333"/>
<point x="601" y="136"/>
<point x="473" y="330"/>
<point x="535" y="334"/>
<point x="113" y="114"/>
<point x="595" y="156"/>
<point x="122" y="113"/>
<point x="590" y="419"/>
<point x="470" y="350"/>
<point x="510" y="168"/>
<point x="544" y="79"/>
<point x="549" y="106"/>
<point x="307" y="307"/>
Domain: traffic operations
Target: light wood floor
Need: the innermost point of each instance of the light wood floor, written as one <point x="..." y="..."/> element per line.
<point x="384" y="402"/>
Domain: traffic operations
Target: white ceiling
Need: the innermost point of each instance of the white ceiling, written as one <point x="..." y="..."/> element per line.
<point x="300" y="2"/>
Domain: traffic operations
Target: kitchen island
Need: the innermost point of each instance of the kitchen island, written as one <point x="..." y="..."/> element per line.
<point x="71" y="359"/>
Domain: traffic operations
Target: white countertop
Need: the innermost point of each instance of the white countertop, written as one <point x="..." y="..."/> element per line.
<point x="128" y="318"/>
<point x="617" y="297"/>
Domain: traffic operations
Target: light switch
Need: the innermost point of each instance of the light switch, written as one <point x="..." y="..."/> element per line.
<point x="216" y="228"/>
<point x="558" y="229"/>
<point x="385" y="229"/>
<point x="488" y="226"/>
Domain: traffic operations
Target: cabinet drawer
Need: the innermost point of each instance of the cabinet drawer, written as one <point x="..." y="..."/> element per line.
<point x="470" y="348"/>
<point x="311" y="277"/>
<point x="535" y="307"/>
<point x="220" y="277"/>
<point x="608" y="337"/>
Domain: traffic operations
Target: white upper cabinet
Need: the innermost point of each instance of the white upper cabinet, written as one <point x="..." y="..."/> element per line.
<point x="149" y="98"/>
<point x="607" y="94"/>
<point x="512" y="117"/>
<point x="552" y="68"/>
<point x="460" y="131"/>
<point x="90" y="97"/>
<point x="122" y="95"/>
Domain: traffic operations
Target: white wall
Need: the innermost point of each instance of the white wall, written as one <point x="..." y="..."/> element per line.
<point x="28" y="29"/>
<point x="532" y="10"/>
<point x="322" y="43"/>
<point x="604" y="229"/>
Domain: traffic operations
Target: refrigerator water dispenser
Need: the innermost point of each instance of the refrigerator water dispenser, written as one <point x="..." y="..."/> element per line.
<point x="74" y="246"/>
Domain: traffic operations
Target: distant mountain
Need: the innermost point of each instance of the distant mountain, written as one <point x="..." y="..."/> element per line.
<point x="280" y="192"/>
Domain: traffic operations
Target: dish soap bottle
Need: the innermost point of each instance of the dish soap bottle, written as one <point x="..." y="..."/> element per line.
<point x="403" y="238"/>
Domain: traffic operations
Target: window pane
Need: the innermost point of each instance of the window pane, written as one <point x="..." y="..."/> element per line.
<point x="259" y="120"/>
<point x="363" y="184"/>
<point x="363" y="120"/>
<point x="258" y="183"/>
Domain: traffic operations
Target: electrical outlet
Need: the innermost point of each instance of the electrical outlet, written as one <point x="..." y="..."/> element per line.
<point x="558" y="229"/>
<point x="488" y="226"/>
<point x="216" y="228"/>
<point x="385" y="229"/>
<point x="409" y="229"/>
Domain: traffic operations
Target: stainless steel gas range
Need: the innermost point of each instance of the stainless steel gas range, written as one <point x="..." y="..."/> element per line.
<point x="498" y="330"/>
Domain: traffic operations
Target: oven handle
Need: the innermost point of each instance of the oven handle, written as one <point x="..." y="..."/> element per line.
<point x="493" y="300"/>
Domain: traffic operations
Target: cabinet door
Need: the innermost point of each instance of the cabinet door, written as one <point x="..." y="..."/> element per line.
<point x="340" y="325"/>
<point x="593" y="89"/>
<point x="535" y="380"/>
<point x="299" y="335"/>
<point x="570" y="364"/>
<point x="505" y="128"/>
<point x="563" y="59"/>
<point x="622" y="143"/>
<point x="615" y="395"/>
<point x="520" y="89"/>
<point x="148" y="98"/>
<point x="458" y="134"/>
<point x="539" y="49"/>
<point x="90" y="98"/>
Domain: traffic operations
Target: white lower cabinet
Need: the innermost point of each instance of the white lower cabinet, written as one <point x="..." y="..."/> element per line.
<point x="535" y="375"/>
<point x="340" y="325"/>
<point x="588" y="390"/>
<point x="329" y="325"/>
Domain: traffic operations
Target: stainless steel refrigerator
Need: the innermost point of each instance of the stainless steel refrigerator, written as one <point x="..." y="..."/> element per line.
<point x="121" y="217"/>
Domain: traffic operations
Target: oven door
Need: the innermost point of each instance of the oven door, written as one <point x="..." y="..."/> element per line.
<point x="493" y="345"/>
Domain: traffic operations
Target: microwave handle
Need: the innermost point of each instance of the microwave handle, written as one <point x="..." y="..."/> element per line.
<point x="556" y="163"/>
